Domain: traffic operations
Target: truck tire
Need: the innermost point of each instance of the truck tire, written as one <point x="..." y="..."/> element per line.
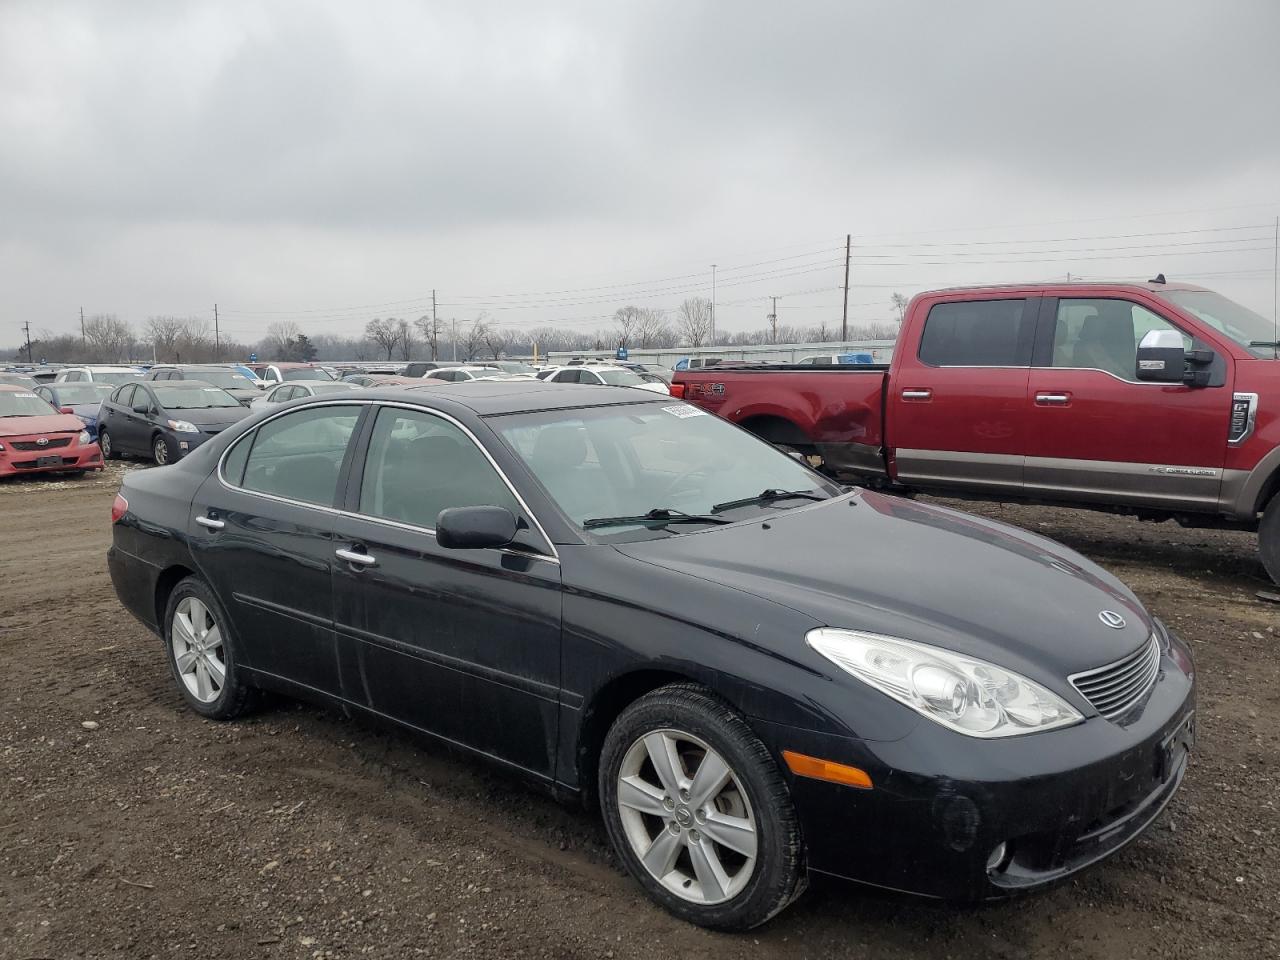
<point x="1269" y="538"/>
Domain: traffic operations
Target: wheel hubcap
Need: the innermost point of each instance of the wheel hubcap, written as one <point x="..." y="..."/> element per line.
<point x="105" y="440"/>
<point x="686" y="817"/>
<point x="198" y="650"/>
<point x="162" y="452"/>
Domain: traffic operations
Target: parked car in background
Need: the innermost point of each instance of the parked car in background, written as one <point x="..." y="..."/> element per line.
<point x="419" y="368"/>
<point x="243" y="388"/>
<point x="835" y="359"/>
<point x="696" y="363"/>
<point x="116" y="374"/>
<point x="164" y="420"/>
<point x="515" y="366"/>
<point x="1151" y="399"/>
<point x="83" y="400"/>
<point x="638" y="604"/>
<point x="395" y="380"/>
<point x="654" y="370"/>
<point x="281" y="372"/>
<point x="299" y="389"/>
<point x="18" y="380"/>
<point x="606" y="374"/>
<point x="462" y="373"/>
<point x="37" y="438"/>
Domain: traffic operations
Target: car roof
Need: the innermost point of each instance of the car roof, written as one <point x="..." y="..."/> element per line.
<point x="182" y="384"/>
<point x="1080" y="286"/>
<point x="14" y="388"/>
<point x="494" y="397"/>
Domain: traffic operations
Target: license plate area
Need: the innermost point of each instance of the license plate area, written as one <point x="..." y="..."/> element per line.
<point x="1174" y="746"/>
<point x="48" y="461"/>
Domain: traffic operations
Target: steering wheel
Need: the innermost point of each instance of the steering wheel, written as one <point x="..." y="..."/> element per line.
<point x="671" y="490"/>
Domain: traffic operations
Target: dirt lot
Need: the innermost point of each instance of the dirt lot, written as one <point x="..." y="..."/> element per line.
<point x="299" y="833"/>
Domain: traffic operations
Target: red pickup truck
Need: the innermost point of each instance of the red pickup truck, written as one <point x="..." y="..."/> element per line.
<point x="1149" y="399"/>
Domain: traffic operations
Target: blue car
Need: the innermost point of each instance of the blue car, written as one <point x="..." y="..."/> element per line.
<point x="81" y="399"/>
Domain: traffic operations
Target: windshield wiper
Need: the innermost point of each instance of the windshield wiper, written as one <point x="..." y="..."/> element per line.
<point x="658" y="515"/>
<point x="769" y="496"/>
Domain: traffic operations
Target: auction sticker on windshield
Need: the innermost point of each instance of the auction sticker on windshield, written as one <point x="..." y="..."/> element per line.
<point x="684" y="411"/>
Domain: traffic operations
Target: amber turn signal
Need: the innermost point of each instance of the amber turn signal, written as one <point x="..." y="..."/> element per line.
<point x="806" y="766"/>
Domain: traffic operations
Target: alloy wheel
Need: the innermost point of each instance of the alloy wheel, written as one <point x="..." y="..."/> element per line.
<point x="198" y="650"/>
<point x="686" y="817"/>
<point x="104" y="441"/>
<point x="160" y="450"/>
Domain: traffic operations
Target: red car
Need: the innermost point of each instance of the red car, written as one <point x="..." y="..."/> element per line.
<point x="1153" y="399"/>
<point x="36" y="438"/>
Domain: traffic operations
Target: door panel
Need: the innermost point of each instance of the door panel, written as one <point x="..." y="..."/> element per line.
<point x="957" y="410"/>
<point x="464" y="644"/>
<point x="1097" y="434"/>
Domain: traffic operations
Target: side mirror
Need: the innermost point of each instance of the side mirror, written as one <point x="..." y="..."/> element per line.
<point x="1163" y="359"/>
<point x="471" y="528"/>
<point x="143" y="408"/>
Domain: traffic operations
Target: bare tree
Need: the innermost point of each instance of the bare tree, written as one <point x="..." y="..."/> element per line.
<point x="195" y="342"/>
<point x="474" y="337"/>
<point x="626" y="319"/>
<point x="498" y="341"/>
<point x="385" y="333"/>
<point x="430" y="330"/>
<point x="107" y="338"/>
<point x="652" y="329"/>
<point x="694" y="320"/>
<point x="279" y="337"/>
<point x="406" y="338"/>
<point x="900" y="304"/>
<point x="162" y="334"/>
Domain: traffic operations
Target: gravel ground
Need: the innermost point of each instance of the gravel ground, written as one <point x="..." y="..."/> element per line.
<point x="130" y="827"/>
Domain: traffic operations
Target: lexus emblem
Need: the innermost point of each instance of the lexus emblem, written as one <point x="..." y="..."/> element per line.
<point x="42" y="442"/>
<point x="1112" y="619"/>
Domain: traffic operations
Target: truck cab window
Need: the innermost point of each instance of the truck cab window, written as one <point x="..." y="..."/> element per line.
<point x="976" y="333"/>
<point x="1103" y="334"/>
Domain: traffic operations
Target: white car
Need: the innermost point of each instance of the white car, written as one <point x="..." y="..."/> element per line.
<point x="605" y="374"/>
<point x="115" y="374"/>
<point x="299" y="389"/>
<point x="460" y="374"/>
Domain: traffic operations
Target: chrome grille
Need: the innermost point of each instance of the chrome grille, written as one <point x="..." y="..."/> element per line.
<point x="1115" y="688"/>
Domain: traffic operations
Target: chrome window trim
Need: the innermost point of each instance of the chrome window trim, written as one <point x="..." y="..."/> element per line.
<point x="1250" y="417"/>
<point x="334" y="511"/>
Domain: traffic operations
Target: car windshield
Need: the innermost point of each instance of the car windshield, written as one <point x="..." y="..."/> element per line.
<point x="304" y="373"/>
<point x="336" y="387"/>
<point x="117" y="376"/>
<point x="227" y="379"/>
<point x="1251" y="330"/>
<point x="73" y="393"/>
<point x="605" y="463"/>
<point x="509" y="367"/>
<point x="620" y="378"/>
<point x="23" y="405"/>
<point x="193" y="398"/>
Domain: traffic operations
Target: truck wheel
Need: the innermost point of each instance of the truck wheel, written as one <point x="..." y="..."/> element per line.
<point x="1269" y="538"/>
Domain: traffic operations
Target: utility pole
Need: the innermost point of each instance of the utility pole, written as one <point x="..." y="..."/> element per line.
<point x="82" y="343"/>
<point x="455" y="339"/>
<point x="713" y="305"/>
<point x="435" y="327"/>
<point x="773" y="322"/>
<point x="844" y="317"/>
<point x="217" y="340"/>
<point x="27" y="327"/>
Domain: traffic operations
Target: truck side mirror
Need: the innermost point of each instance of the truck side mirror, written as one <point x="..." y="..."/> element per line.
<point x="1163" y="359"/>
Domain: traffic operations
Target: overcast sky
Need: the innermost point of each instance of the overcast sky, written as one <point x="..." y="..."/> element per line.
<point x="329" y="162"/>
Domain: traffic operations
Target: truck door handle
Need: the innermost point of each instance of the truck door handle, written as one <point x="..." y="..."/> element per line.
<point x="211" y="522"/>
<point x="360" y="559"/>
<point x="1053" y="399"/>
<point x="917" y="393"/>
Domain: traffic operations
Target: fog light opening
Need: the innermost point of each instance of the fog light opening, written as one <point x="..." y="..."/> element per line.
<point x="998" y="857"/>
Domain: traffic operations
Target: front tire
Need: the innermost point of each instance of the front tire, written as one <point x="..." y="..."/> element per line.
<point x="109" y="451"/>
<point x="698" y="811"/>
<point x="1269" y="538"/>
<point x="202" y="653"/>
<point x="160" y="451"/>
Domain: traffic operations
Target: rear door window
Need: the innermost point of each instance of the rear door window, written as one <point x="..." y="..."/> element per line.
<point x="419" y="464"/>
<point x="977" y="333"/>
<point x="298" y="456"/>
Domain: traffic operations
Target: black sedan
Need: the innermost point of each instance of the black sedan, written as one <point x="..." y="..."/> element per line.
<point x="164" y="420"/>
<point x="753" y="673"/>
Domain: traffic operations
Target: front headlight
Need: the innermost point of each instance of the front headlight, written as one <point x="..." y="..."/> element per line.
<point x="181" y="426"/>
<point x="84" y="439"/>
<point x="968" y="696"/>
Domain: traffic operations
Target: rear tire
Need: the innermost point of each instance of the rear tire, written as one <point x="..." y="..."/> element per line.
<point x="728" y="857"/>
<point x="202" y="653"/>
<point x="1269" y="539"/>
<point x="109" y="451"/>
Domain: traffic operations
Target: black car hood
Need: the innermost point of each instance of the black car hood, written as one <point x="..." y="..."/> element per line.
<point x="216" y="417"/>
<point x="902" y="568"/>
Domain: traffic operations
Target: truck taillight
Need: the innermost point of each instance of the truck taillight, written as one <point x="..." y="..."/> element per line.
<point x="119" y="507"/>
<point x="677" y="390"/>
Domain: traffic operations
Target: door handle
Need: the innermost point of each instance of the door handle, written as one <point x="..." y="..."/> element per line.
<point x="917" y="393"/>
<point x="1053" y="399"/>
<point x="361" y="559"/>
<point x="211" y="522"/>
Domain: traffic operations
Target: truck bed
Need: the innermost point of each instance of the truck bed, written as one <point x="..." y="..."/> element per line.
<point x="836" y="411"/>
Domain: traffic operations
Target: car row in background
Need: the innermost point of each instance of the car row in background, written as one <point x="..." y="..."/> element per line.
<point x="302" y="388"/>
<point x="604" y="374"/>
<point x="164" y="419"/>
<point x="80" y="399"/>
<point x="36" y="438"/>
<point x="244" y="388"/>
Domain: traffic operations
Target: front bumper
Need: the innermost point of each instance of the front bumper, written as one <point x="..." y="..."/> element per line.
<point x="183" y="443"/>
<point x="941" y="803"/>
<point x="57" y="460"/>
